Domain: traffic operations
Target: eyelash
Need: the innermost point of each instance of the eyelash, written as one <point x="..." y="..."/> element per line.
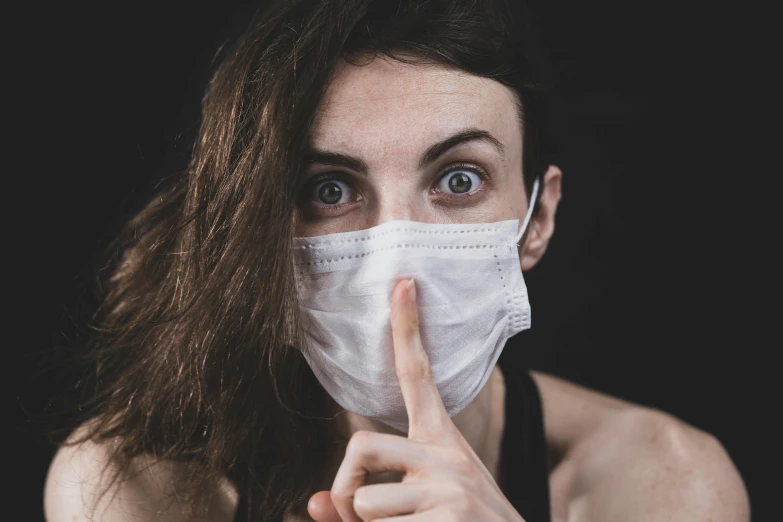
<point x="310" y="184"/>
<point x="461" y="166"/>
<point x="326" y="210"/>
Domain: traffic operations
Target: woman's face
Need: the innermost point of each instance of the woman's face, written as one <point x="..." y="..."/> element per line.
<point x="377" y="153"/>
<point x="416" y="142"/>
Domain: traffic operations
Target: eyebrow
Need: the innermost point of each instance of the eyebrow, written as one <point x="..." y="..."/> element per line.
<point x="336" y="159"/>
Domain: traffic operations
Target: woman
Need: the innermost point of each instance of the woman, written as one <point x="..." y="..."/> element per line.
<point x="307" y="324"/>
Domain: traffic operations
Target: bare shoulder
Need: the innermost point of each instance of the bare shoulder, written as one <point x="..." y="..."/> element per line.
<point x="671" y="469"/>
<point x="664" y="466"/>
<point x="77" y="489"/>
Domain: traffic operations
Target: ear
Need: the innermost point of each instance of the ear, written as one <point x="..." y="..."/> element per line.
<point x="542" y="224"/>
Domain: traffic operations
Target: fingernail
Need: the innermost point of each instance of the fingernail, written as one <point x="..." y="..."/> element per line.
<point x="411" y="286"/>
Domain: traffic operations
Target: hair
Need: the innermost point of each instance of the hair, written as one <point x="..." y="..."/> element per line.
<point x="193" y="357"/>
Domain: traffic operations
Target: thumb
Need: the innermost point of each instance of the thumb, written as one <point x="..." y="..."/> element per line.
<point x="322" y="509"/>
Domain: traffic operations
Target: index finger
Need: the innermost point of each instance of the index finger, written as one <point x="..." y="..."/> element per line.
<point x="427" y="416"/>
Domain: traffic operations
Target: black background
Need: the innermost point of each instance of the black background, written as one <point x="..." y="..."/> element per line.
<point x="657" y="287"/>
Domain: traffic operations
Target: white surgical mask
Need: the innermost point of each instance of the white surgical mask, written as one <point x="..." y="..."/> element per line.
<point x="470" y="294"/>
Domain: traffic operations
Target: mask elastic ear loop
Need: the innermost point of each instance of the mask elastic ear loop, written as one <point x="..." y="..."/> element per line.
<point x="529" y="215"/>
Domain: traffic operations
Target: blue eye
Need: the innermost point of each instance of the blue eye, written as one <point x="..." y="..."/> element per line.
<point x="330" y="192"/>
<point x="459" y="182"/>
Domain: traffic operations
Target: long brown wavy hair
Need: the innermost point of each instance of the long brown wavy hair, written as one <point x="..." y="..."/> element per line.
<point x="192" y="357"/>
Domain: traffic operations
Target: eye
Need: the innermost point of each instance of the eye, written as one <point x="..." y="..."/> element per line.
<point x="331" y="192"/>
<point x="459" y="181"/>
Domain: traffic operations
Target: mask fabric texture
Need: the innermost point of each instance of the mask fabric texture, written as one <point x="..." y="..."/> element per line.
<point x="471" y="298"/>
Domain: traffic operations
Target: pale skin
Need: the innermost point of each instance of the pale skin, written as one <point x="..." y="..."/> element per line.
<point x="613" y="461"/>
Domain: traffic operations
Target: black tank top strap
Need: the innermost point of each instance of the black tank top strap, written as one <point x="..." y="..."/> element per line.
<point x="524" y="468"/>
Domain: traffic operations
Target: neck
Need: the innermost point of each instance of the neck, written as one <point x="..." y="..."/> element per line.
<point x="472" y="422"/>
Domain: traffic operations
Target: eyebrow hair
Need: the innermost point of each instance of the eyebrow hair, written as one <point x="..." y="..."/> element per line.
<point x="337" y="159"/>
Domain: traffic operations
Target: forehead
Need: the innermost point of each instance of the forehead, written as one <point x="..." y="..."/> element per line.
<point x="387" y="108"/>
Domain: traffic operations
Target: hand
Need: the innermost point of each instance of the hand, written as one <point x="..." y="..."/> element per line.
<point x="443" y="479"/>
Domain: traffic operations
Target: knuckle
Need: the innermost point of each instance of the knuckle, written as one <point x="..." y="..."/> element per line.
<point x="358" y="444"/>
<point x="339" y="496"/>
<point x="461" y="462"/>
<point x="415" y="368"/>
<point x="458" y="493"/>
